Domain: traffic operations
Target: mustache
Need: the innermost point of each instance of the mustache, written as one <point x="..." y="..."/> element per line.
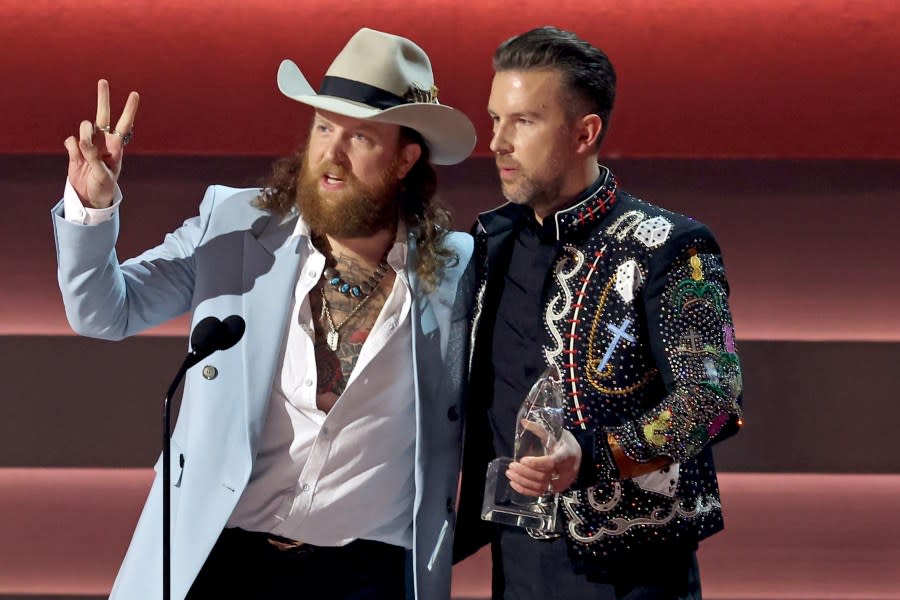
<point x="333" y="169"/>
<point x="506" y="163"/>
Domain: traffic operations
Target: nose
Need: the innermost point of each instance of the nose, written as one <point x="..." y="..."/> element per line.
<point x="334" y="150"/>
<point x="500" y="143"/>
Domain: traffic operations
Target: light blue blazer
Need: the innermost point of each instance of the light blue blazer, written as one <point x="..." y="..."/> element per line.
<point x="234" y="258"/>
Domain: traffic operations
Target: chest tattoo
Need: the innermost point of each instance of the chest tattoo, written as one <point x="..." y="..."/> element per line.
<point x="335" y="364"/>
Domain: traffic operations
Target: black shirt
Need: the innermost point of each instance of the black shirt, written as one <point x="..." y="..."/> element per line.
<point x="519" y="335"/>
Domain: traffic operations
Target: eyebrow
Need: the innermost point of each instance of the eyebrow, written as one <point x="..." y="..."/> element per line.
<point x="525" y="113"/>
<point x="366" y="128"/>
<point x="363" y="127"/>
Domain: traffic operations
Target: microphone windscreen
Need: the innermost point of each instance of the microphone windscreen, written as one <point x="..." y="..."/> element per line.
<point x="233" y="331"/>
<point x="205" y="338"/>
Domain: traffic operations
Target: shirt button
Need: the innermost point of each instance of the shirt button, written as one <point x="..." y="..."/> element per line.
<point x="308" y="382"/>
<point x="305" y="487"/>
<point x="312" y="273"/>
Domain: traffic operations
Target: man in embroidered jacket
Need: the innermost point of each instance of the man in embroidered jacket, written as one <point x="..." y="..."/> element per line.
<point x="629" y="302"/>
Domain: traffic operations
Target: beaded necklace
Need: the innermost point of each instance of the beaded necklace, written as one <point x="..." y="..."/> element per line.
<point x="363" y="290"/>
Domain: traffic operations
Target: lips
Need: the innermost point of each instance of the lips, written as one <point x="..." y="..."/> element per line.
<point x="332" y="179"/>
<point x="507" y="171"/>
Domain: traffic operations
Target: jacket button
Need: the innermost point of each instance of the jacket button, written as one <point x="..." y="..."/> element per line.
<point x="210" y="372"/>
<point x="453" y="414"/>
<point x="449" y="505"/>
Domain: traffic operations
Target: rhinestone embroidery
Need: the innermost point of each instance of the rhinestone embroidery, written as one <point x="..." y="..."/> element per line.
<point x="600" y="342"/>
<point x="654" y="232"/>
<point x="639" y="326"/>
<point x="628" y="280"/>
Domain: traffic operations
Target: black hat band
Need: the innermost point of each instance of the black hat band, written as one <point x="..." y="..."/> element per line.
<point x="359" y="92"/>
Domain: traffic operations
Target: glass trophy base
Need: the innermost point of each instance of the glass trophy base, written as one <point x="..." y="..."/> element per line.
<point x="505" y="506"/>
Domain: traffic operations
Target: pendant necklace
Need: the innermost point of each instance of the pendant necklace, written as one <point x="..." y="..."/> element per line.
<point x="333" y="336"/>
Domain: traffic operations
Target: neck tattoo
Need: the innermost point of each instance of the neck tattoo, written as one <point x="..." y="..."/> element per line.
<point x="362" y="291"/>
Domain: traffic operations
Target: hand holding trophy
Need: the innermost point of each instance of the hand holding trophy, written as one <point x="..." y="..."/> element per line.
<point x="539" y="426"/>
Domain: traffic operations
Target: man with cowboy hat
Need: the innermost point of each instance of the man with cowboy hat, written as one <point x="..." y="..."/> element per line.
<point x="318" y="456"/>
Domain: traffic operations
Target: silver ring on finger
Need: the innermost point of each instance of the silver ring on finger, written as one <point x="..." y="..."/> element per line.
<point x="104" y="129"/>
<point x="126" y="137"/>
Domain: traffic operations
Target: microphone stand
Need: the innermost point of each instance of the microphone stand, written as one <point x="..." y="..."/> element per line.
<point x="209" y="335"/>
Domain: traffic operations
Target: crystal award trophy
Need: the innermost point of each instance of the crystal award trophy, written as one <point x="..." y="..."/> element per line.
<point x="539" y="425"/>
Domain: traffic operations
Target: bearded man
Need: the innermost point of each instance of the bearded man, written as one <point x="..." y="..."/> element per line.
<point x="320" y="454"/>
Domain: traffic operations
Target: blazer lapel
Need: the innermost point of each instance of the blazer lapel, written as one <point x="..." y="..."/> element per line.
<point x="271" y="260"/>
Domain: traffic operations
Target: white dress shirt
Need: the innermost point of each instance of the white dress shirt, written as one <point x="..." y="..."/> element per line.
<point x="76" y="212"/>
<point x="327" y="479"/>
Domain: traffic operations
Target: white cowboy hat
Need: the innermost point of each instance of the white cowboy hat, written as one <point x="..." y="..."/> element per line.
<point x="386" y="78"/>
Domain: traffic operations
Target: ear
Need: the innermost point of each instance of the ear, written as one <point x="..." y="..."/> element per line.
<point x="587" y="130"/>
<point x="409" y="154"/>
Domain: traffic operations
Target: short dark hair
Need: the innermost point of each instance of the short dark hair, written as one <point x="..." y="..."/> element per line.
<point x="588" y="76"/>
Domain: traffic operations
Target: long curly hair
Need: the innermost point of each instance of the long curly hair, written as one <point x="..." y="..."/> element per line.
<point x="419" y="206"/>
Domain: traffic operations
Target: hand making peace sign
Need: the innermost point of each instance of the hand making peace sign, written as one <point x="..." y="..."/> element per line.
<point x="95" y="158"/>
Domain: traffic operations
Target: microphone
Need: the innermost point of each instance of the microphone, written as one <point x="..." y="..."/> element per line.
<point x="209" y="335"/>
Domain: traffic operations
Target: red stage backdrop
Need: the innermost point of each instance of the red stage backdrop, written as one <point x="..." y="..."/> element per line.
<point x="698" y="78"/>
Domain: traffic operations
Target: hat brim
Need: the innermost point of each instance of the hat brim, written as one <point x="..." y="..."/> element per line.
<point x="449" y="133"/>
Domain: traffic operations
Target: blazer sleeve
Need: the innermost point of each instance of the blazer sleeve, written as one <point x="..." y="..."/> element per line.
<point x="107" y="299"/>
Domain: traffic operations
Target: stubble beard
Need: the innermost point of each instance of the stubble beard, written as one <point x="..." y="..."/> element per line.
<point x="358" y="210"/>
<point x="540" y="191"/>
<point x="539" y="196"/>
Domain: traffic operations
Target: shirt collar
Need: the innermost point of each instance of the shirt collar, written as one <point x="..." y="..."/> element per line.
<point x="589" y="207"/>
<point x="397" y="254"/>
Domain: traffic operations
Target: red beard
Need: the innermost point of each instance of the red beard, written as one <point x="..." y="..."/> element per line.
<point x="359" y="210"/>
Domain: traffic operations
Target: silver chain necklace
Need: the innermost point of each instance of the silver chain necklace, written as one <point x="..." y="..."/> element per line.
<point x="333" y="337"/>
<point x="366" y="289"/>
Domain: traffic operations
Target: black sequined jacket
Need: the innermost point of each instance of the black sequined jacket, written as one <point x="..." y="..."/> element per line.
<point x="639" y="325"/>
